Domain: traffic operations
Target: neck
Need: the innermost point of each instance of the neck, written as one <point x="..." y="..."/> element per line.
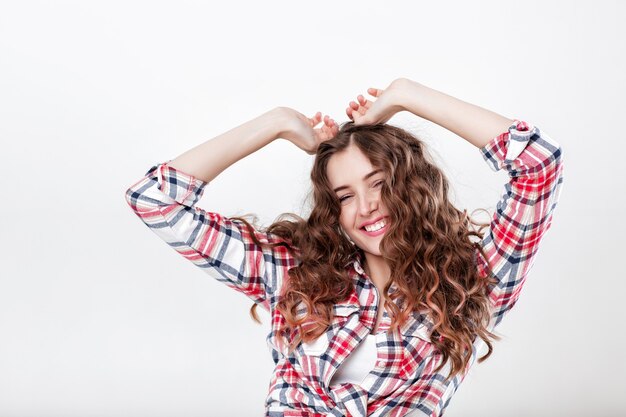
<point x="377" y="269"/>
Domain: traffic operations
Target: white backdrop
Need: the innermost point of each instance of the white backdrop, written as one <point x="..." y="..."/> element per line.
<point x="98" y="317"/>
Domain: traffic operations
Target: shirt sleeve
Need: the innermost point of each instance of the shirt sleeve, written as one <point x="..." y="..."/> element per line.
<point x="534" y="162"/>
<point x="223" y="248"/>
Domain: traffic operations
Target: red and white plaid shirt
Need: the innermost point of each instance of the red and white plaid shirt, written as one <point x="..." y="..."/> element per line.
<point x="403" y="381"/>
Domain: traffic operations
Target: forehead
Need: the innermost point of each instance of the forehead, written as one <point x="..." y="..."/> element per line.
<point x="348" y="167"/>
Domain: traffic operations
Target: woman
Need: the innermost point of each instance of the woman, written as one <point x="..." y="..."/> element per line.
<point x="379" y="300"/>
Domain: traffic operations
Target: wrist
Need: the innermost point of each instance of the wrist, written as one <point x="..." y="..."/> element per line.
<point x="284" y="119"/>
<point x="409" y="94"/>
<point x="273" y="122"/>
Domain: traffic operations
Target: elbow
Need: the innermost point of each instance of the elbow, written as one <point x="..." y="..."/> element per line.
<point x="132" y="196"/>
<point x="553" y="155"/>
<point x="558" y="155"/>
<point x="558" y="163"/>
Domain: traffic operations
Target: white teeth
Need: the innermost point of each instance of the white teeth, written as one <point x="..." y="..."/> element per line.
<point x="376" y="226"/>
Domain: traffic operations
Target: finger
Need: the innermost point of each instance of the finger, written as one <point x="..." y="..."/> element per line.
<point x="359" y="107"/>
<point x="313" y="121"/>
<point x="349" y="112"/>
<point x="374" y="91"/>
<point x="330" y="125"/>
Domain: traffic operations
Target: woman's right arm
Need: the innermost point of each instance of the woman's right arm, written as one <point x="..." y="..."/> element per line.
<point x="207" y="160"/>
<point x="164" y="199"/>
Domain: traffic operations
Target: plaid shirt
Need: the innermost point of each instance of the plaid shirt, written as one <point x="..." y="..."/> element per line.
<point x="403" y="381"/>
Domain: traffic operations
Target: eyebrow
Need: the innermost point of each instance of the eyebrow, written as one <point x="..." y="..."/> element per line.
<point x="364" y="178"/>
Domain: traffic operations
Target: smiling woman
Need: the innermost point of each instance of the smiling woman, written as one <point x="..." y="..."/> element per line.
<point x="384" y="261"/>
<point x="377" y="190"/>
<point x="362" y="213"/>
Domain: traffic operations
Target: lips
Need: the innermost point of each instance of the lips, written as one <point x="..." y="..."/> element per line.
<point x="372" y="222"/>
<point x="377" y="232"/>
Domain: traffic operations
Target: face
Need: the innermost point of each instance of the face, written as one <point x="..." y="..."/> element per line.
<point x="357" y="185"/>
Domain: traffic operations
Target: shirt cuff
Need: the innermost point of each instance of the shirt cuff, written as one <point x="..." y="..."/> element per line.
<point x="502" y="150"/>
<point x="181" y="187"/>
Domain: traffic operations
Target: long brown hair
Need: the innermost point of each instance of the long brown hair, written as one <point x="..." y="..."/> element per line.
<point x="428" y="248"/>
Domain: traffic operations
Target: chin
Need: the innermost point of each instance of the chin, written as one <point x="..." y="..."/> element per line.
<point x="372" y="252"/>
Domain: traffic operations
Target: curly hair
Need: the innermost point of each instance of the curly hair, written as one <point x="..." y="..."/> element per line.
<point x="428" y="248"/>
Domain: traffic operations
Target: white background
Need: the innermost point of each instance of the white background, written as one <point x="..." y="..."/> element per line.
<point x="98" y="317"/>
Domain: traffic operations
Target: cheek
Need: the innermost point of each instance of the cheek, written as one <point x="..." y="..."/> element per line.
<point x="346" y="219"/>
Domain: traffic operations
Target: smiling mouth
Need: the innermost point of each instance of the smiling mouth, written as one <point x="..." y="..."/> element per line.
<point x="375" y="228"/>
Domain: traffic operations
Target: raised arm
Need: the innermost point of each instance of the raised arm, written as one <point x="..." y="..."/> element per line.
<point x="207" y="160"/>
<point x="473" y="123"/>
<point x="165" y="200"/>
<point x="533" y="160"/>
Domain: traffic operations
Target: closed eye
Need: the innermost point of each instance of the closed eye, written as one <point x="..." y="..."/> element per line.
<point x="345" y="197"/>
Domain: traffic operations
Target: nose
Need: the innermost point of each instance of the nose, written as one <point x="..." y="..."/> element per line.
<point x="367" y="204"/>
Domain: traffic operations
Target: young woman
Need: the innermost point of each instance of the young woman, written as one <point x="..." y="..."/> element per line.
<point x="381" y="299"/>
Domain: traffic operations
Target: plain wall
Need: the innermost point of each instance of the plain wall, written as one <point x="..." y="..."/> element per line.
<point x="99" y="317"/>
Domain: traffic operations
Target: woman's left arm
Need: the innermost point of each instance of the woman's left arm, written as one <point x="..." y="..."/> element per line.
<point x="533" y="160"/>
<point x="473" y="123"/>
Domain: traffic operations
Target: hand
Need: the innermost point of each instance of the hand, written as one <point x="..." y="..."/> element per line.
<point x="387" y="103"/>
<point x="301" y="130"/>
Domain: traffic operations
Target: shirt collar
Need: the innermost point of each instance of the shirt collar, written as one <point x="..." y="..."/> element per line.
<point x="357" y="262"/>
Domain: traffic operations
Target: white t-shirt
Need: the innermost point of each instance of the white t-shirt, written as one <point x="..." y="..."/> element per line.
<point x="359" y="364"/>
